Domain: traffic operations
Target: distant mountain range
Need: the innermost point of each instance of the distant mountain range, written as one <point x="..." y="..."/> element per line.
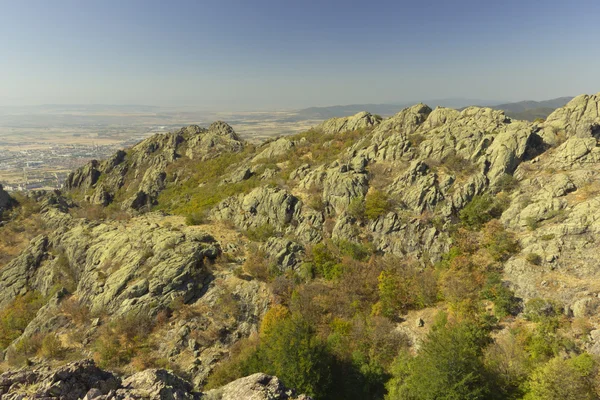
<point x="530" y="110"/>
<point x="527" y="110"/>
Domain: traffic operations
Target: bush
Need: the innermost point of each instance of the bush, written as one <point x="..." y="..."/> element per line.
<point x="559" y="379"/>
<point x="261" y="233"/>
<point x="357" y="251"/>
<point x="537" y="309"/>
<point x="500" y="243"/>
<point x="52" y="347"/>
<point x="288" y="349"/>
<point x="449" y="365"/>
<point x="356" y="208"/>
<point x="195" y="218"/>
<point x="325" y="262"/>
<point x="377" y="204"/>
<point x="507" y="183"/>
<point x="534" y="258"/>
<point x="17" y="315"/>
<point x="505" y="302"/>
<point x="121" y="339"/>
<point x="481" y="210"/>
<point x="403" y="286"/>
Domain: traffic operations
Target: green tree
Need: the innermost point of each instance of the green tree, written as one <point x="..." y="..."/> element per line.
<point x="377" y="203"/>
<point x="449" y="365"/>
<point x="480" y="210"/>
<point x="291" y="351"/>
<point x="559" y="379"/>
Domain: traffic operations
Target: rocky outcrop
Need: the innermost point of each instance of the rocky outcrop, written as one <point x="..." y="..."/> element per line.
<point x="362" y="120"/>
<point x="579" y="118"/>
<point x="84" y="380"/>
<point x="255" y="387"/>
<point x="138" y="175"/>
<point x="390" y="141"/>
<point x="286" y="253"/>
<point x="262" y="206"/>
<point x="78" y="380"/>
<point x="119" y="268"/>
<point x="207" y="143"/>
<point x="275" y="149"/>
<point x="17" y="277"/>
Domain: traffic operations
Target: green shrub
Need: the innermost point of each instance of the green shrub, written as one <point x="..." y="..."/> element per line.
<point x="377" y="204"/>
<point x="538" y="309"/>
<point x="195" y="218"/>
<point x="560" y="379"/>
<point x="52" y="347"/>
<point x="290" y="350"/>
<point x="505" y="302"/>
<point x="507" y="183"/>
<point x="325" y="262"/>
<point x="17" y="315"/>
<point x="261" y="233"/>
<point x="357" y="251"/>
<point x="356" y="208"/>
<point x="534" y="258"/>
<point x="481" y="210"/>
<point x="449" y="365"/>
<point x="532" y="223"/>
<point x="500" y="243"/>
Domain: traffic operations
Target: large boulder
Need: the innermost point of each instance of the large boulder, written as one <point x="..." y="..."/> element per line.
<point x="362" y="120"/>
<point x="254" y="387"/>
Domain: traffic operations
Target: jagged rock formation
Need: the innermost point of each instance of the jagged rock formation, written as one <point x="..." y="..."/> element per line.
<point x="84" y="380"/>
<point x="128" y="268"/>
<point x="257" y="386"/>
<point x="136" y="177"/>
<point x="362" y="120"/>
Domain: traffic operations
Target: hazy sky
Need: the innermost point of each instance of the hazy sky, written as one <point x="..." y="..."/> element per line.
<point x="261" y="54"/>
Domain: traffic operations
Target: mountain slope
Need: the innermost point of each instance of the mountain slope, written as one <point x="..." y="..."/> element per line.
<point x="323" y="255"/>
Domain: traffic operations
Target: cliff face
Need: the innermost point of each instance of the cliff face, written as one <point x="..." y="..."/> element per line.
<point x="116" y="244"/>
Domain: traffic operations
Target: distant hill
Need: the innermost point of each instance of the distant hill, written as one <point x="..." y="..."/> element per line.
<point x="530" y="110"/>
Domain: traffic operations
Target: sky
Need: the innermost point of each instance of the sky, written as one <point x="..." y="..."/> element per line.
<point x="283" y="54"/>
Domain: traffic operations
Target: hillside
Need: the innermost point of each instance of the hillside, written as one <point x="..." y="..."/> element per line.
<point x="531" y="110"/>
<point x="433" y="254"/>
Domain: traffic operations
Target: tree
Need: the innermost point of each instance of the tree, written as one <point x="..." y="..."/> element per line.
<point x="377" y="203"/>
<point x="559" y="379"/>
<point x="290" y="350"/>
<point x="449" y="365"/>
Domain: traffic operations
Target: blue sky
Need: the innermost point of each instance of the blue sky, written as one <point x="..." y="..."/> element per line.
<point x="267" y="54"/>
